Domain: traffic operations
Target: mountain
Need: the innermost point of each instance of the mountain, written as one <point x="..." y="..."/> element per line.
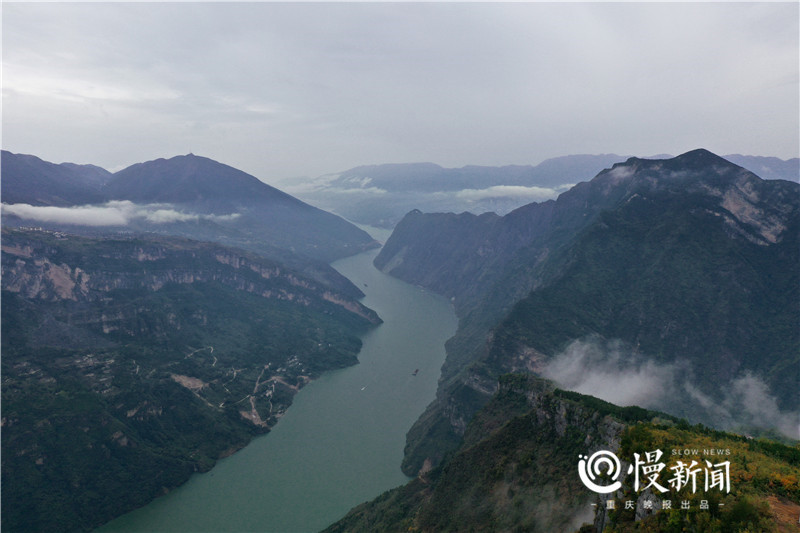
<point x="683" y="268"/>
<point x="769" y="168"/>
<point x="189" y="196"/>
<point x="196" y="180"/>
<point x="517" y="470"/>
<point x="380" y="195"/>
<point x="429" y="177"/>
<point x="29" y="180"/>
<point x="131" y="362"/>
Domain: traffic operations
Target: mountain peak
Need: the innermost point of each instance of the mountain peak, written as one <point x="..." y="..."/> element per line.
<point x="693" y="166"/>
<point x="701" y="158"/>
<point x="192" y="178"/>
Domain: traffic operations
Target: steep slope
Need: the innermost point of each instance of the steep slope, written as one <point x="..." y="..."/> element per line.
<point x="689" y="262"/>
<point x="242" y="203"/>
<point x="29" y="180"/>
<point x="769" y="168"/>
<point x="189" y="196"/>
<point x="130" y="363"/>
<point x="517" y="470"/>
<point x="196" y="180"/>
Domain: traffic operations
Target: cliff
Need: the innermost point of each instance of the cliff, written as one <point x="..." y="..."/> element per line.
<point x="685" y="264"/>
<point x="130" y="363"/>
<point x="517" y="469"/>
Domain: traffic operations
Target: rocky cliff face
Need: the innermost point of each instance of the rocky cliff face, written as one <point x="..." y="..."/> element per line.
<point x="464" y="256"/>
<point x="130" y="363"/>
<point x="517" y="469"/>
<point x="687" y="261"/>
<point x="36" y="269"/>
<point x="503" y="477"/>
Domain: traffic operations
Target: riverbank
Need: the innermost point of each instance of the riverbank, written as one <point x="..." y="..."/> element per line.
<point x="340" y="444"/>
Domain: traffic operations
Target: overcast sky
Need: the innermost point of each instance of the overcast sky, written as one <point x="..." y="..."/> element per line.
<point x="282" y="90"/>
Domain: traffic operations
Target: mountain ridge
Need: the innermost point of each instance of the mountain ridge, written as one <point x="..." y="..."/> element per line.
<point x="597" y="249"/>
<point x="131" y="362"/>
<point x="381" y="194"/>
<point x="189" y="196"/>
<point x="516" y="469"/>
<point x="191" y="178"/>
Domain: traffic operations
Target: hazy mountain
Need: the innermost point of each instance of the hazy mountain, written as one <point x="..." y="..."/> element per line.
<point x="685" y="268"/>
<point x="380" y="195"/>
<point x="190" y="196"/>
<point x="517" y="470"/>
<point x="195" y="180"/>
<point x="130" y="363"/>
<point x="27" y="179"/>
<point x="429" y="177"/>
<point x="769" y="168"/>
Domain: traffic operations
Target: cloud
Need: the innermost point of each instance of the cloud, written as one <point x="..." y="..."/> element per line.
<point x="284" y="89"/>
<point x="114" y="213"/>
<point x="118" y="214"/>
<point x="330" y="184"/>
<point x="748" y="403"/>
<point x="365" y="190"/>
<point x="166" y="216"/>
<point x="609" y="371"/>
<point x="509" y="191"/>
<point x="612" y="371"/>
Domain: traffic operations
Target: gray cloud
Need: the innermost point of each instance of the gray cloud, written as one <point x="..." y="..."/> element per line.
<point x="612" y="371"/>
<point x="287" y="89"/>
<point x="114" y="213"/>
<point x="530" y="194"/>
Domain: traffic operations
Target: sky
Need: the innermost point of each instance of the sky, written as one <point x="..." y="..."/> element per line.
<point x="283" y="90"/>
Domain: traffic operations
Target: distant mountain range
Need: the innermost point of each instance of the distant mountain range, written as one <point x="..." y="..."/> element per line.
<point x="190" y="196"/>
<point x="671" y="284"/>
<point x="380" y="195"/>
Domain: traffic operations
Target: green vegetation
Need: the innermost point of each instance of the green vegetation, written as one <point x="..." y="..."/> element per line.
<point x="663" y="275"/>
<point x="688" y="264"/>
<point x="764" y="495"/>
<point x="117" y="393"/>
<point x="516" y="470"/>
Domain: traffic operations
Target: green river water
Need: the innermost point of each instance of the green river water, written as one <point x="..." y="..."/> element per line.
<point x="339" y="444"/>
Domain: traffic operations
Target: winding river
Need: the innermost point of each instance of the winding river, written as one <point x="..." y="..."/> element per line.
<point x="339" y="444"/>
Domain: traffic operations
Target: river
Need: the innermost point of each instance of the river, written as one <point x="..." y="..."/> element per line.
<point x="341" y="441"/>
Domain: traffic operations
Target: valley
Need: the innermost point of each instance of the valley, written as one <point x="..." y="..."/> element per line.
<point x="129" y="364"/>
<point x="397" y="267"/>
<point x="153" y="333"/>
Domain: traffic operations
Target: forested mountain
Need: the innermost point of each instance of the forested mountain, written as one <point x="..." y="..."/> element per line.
<point x="131" y="362"/>
<point x="516" y="469"/>
<point x="684" y="268"/>
<point x="189" y="196"/>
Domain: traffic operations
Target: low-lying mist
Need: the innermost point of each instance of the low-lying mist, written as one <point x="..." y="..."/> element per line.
<point x="113" y="213"/>
<point x="612" y="371"/>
